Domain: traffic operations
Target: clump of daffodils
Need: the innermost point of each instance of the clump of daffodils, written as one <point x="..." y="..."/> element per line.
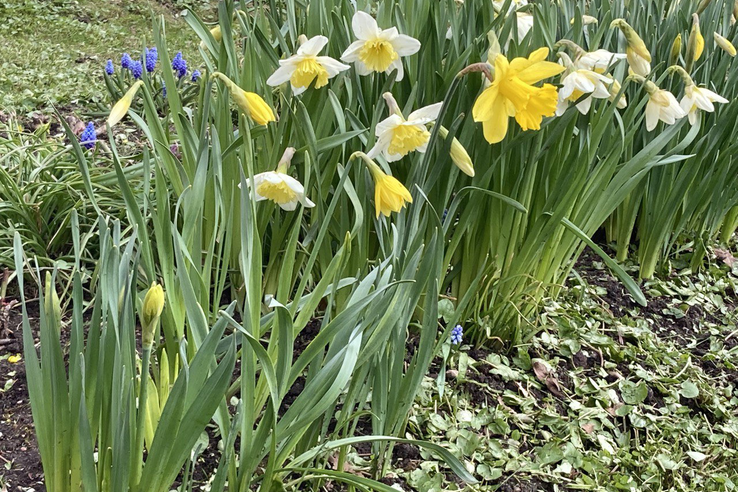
<point x="397" y="136"/>
<point x="280" y="187"/>
<point x="306" y="66"/>
<point x="376" y="49"/>
<point x="512" y="94"/>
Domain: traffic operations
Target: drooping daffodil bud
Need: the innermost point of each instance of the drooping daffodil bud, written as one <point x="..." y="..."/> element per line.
<point x="123" y="105"/>
<point x="250" y="103"/>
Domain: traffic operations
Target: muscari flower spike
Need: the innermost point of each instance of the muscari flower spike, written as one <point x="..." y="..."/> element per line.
<point x="126" y="61"/>
<point x="88" y="137"/>
<point x="150" y="58"/>
<point x="195" y="75"/>
<point x="109" y="69"/>
<point x="179" y="65"/>
<point x="137" y="69"/>
<point x="457" y="335"/>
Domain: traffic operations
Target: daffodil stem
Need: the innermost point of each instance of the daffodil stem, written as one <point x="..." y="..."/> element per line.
<point x="682" y="73"/>
<point x="141" y="416"/>
<point x="477" y="67"/>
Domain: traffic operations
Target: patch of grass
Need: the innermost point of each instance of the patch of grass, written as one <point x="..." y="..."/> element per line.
<point x="54" y="52"/>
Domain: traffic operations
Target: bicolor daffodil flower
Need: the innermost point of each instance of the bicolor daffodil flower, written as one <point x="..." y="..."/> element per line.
<point x="661" y="105"/>
<point x="696" y="98"/>
<point x="305" y="66"/>
<point x="639" y="58"/>
<point x="576" y="82"/>
<point x="389" y="194"/>
<point x="512" y="94"/>
<point x="280" y="187"/>
<point x="397" y="136"/>
<point x="378" y="50"/>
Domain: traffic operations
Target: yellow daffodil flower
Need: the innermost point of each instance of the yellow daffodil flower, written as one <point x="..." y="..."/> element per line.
<point x="280" y="187"/>
<point x="577" y="82"/>
<point x="249" y="102"/>
<point x="123" y="105"/>
<point x="726" y="45"/>
<point x="639" y="58"/>
<point x="512" y="93"/>
<point x="397" y="136"/>
<point x="304" y="67"/>
<point x="217" y="35"/>
<point x="389" y="194"/>
<point x="378" y="50"/>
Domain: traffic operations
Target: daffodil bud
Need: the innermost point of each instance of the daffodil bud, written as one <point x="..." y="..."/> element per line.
<point x="123" y="105"/>
<point x="635" y="43"/>
<point x="153" y="305"/>
<point x="726" y="45"/>
<point x="702" y="6"/>
<point x="249" y="102"/>
<point x="216" y="33"/>
<point x="52" y="305"/>
<point x="676" y="50"/>
<point x="459" y="155"/>
<point x="696" y="44"/>
<point x="494" y="47"/>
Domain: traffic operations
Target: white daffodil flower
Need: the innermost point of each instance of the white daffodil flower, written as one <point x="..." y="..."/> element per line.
<point x="280" y="187"/>
<point x="696" y="98"/>
<point x="397" y="136"/>
<point x="305" y="66"/>
<point x="662" y="105"/>
<point x="525" y="24"/>
<point x="378" y="50"/>
<point x="599" y="61"/>
<point x="578" y="82"/>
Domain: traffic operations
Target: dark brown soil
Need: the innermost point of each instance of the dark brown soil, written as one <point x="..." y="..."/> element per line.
<point x="527" y="484"/>
<point x="19" y="458"/>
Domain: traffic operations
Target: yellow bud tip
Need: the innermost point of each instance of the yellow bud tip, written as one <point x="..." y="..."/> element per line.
<point x="153" y="305"/>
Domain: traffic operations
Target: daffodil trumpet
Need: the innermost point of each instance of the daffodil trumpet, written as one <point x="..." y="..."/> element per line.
<point x="250" y="103"/>
<point x="389" y="194"/>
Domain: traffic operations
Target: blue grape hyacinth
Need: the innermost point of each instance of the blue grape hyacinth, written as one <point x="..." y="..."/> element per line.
<point x="150" y="58"/>
<point x="137" y="69"/>
<point x="126" y="61"/>
<point x="109" y="69"/>
<point x="195" y="75"/>
<point x="456" y="335"/>
<point x="88" y="137"/>
<point x="179" y="65"/>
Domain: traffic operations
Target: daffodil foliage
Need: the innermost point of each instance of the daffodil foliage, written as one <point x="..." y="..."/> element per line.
<point x="336" y="168"/>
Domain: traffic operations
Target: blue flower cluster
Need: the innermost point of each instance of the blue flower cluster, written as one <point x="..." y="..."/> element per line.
<point x="151" y="55"/>
<point x="137" y="69"/>
<point x="179" y="65"/>
<point x="109" y="69"/>
<point x="457" y="334"/>
<point x="126" y="61"/>
<point x="88" y="137"/>
<point x="195" y="75"/>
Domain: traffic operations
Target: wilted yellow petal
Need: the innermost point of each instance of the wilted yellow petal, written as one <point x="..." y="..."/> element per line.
<point x="121" y="107"/>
